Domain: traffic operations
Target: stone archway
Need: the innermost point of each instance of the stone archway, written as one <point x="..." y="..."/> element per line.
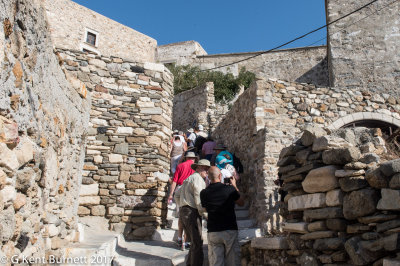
<point x="365" y="119"/>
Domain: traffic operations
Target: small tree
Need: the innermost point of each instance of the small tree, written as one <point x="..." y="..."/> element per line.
<point x="225" y="85"/>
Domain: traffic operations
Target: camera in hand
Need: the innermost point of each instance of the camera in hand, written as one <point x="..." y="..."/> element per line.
<point x="227" y="181"/>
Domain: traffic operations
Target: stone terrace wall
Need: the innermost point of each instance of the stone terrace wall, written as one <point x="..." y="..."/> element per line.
<point x="43" y="124"/>
<point x="363" y="48"/>
<point x="68" y="22"/>
<point x="197" y="107"/>
<point x="127" y="157"/>
<point x="307" y="65"/>
<point x="342" y="204"/>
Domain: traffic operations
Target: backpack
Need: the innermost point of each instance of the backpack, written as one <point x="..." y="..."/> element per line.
<point x="199" y="143"/>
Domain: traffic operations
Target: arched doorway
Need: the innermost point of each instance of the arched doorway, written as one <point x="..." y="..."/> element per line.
<point x="389" y="125"/>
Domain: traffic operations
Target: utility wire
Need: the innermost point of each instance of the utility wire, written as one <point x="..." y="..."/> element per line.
<point x="344" y="28"/>
<point x="295" y="39"/>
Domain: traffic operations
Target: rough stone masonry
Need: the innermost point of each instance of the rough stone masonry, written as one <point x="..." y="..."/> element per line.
<point x="342" y="203"/>
<point x="126" y="166"/>
<point x="43" y="124"/>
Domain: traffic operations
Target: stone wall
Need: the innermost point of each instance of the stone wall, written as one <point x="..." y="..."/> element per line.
<point x="68" y="24"/>
<point x="43" y="124"/>
<point x="127" y="156"/>
<point x="303" y="65"/>
<point x="363" y="48"/>
<point x="268" y="117"/>
<point x="181" y="53"/>
<point x="342" y="202"/>
<point x="198" y="107"/>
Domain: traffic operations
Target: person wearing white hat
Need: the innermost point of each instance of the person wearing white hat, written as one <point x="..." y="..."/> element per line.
<point x="191" y="136"/>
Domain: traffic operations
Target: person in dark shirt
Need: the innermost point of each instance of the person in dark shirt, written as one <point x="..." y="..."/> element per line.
<point x="219" y="200"/>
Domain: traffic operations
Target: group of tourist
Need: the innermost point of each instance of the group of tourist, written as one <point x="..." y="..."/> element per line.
<point x="204" y="185"/>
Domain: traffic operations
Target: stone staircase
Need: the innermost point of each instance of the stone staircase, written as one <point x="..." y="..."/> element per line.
<point x="108" y="248"/>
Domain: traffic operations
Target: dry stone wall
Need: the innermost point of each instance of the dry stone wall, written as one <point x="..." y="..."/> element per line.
<point x="342" y="203"/>
<point x="43" y="124"/>
<point x="268" y="116"/>
<point x="127" y="157"/>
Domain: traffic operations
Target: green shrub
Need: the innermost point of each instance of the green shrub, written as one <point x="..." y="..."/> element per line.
<point x="225" y="85"/>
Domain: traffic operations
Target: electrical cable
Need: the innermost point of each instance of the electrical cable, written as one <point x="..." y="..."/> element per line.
<point x="297" y="38"/>
<point x="344" y="28"/>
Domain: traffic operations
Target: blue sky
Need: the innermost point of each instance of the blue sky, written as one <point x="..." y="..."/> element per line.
<point x="220" y="26"/>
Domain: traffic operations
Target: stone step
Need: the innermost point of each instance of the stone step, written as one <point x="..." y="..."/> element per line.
<point x="149" y="253"/>
<point x="242" y="213"/>
<point x="248" y="234"/>
<point x="168" y="235"/>
<point x="97" y="247"/>
<point x="245" y="223"/>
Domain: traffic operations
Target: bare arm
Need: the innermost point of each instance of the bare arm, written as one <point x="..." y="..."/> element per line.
<point x="240" y="201"/>
<point x="173" y="186"/>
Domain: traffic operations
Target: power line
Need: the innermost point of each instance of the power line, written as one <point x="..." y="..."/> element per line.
<point x="344" y="28"/>
<point x="295" y="39"/>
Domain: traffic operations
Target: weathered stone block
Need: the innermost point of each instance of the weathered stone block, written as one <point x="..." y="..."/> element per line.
<point x="390" y="200"/>
<point x="328" y="244"/>
<point x="357" y="228"/>
<point x="387" y="225"/>
<point x="269" y="243"/>
<point x="318" y="235"/>
<point x="7" y="224"/>
<point x="89" y="200"/>
<point x="307" y="201"/>
<point x="98" y="210"/>
<point x="124" y="131"/>
<point x="89" y="190"/>
<point x="310" y="133"/>
<point x="329" y="142"/>
<point x="20" y="201"/>
<point x="324" y="213"/>
<point x="320" y="180"/>
<point x="376" y="218"/>
<point x="376" y="178"/>
<point x="358" y="254"/>
<point x="317" y="226"/>
<point x="348" y="184"/>
<point x="300" y="228"/>
<point x="83" y="210"/>
<point x="391" y="167"/>
<point x="341" y="156"/>
<point x="349" y="173"/>
<point x="24" y="151"/>
<point x="334" y="198"/>
<point x="131" y="202"/>
<point x="115" y="158"/>
<point x="336" y="224"/>
<point x="395" y="182"/>
<point x="360" y="203"/>
<point x="115" y="211"/>
<point x="121" y="148"/>
<point x="8" y="158"/>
